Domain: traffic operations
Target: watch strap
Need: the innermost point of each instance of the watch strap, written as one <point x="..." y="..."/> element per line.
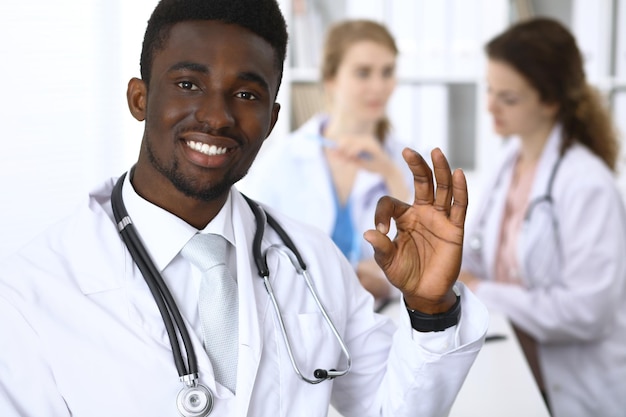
<point x="423" y="322"/>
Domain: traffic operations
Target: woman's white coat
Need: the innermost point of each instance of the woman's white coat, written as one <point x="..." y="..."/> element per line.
<point x="575" y="276"/>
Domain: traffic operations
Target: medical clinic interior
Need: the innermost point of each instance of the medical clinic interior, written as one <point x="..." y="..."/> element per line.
<point x="66" y="127"/>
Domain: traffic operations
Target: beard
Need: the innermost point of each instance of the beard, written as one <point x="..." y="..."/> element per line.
<point x="191" y="186"/>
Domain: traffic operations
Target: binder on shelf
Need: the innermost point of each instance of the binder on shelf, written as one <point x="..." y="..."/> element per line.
<point x="432" y="28"/>
<point x="432" y="130"/>
<point x="620" y="43"/>
<point x="307" y="99"/>
<point x="309" y="21"/>
<point x="523" y="9"/>
<point x="404" y="114"/>
<point x="366" y="9"/>
<point x="591" y="22"/>
<point x="464" y="46"/>
<point x="401" y="23"/>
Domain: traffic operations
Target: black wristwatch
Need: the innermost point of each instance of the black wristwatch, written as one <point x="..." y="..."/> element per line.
<point x="423" y="322"/>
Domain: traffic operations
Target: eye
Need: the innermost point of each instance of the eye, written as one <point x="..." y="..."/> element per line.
<point x="510" y="100"/>
<point x="389" y="72"/>
<point x="188" y="85"/>
<point x="246" y="95"/>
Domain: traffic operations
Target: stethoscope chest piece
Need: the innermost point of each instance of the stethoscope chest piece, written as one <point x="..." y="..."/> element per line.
<point x="194" y="401"/>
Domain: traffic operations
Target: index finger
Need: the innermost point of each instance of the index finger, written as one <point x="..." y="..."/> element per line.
<point x="388" y="208"/>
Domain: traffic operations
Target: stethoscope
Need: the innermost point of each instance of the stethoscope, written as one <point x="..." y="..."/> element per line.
<point x="195" y="399"/>
<point x="475" y="241"/>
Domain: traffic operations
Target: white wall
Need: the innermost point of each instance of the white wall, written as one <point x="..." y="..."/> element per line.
<point x="64" y="67"/>
<point x="65" y="123"/>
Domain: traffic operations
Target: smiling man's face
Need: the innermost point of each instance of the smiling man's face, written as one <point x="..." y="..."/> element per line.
<point x="208" y="109"/>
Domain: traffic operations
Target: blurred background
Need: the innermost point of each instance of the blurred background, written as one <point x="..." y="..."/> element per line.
<point x="65" y="66"/>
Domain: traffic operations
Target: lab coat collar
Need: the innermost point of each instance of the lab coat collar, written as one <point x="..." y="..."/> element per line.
<point x="310" y="145"/>
<point x="254" y="301"/>
<point x="154" y="223"/>
<point x="494" y="205"/>
<point x="549" y="157"/>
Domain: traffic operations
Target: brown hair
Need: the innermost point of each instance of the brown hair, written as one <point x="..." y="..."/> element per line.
<point x="545" y="53"/>
<point x="340" y="37"/>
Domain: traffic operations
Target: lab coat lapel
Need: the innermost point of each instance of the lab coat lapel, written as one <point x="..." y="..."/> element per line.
<point x="546" y="163"/>
<point x="311" y="163"/>
<point x="494" y="210"/>
<point x="253" y="303"/>
<point x="367" y="186"/>
<point x="545" y="167"/>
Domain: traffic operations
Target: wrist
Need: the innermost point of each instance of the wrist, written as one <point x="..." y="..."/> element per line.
<point x="437" y="322"/>
<point x="435" y="317"/>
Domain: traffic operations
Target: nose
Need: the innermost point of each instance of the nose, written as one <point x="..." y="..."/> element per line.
<point x="492" y="103"/>
<point x="215" y="110"/>
<point x="381" y="85"/>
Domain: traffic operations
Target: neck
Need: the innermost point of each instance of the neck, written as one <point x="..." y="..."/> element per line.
<point x="533" y="143"/>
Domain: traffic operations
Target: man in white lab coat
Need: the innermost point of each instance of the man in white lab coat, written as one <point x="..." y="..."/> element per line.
<point x="82" y="334"/>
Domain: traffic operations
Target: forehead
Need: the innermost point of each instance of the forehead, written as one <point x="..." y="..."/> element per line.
<point x="213" y="43"/>
<point x="368" y="52"/>
<point x="501" y="75"/>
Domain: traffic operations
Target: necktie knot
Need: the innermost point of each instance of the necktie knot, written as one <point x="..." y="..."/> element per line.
<point x="205" y="250"/>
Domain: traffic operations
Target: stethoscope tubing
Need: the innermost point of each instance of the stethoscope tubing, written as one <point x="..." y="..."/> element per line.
<point x="171" y="314"/>
<point x="298" y="263"/>
<point x="161" y="294"/>
<point x="476" y="239"/>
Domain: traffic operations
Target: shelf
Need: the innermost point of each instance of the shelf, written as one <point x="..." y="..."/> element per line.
<point x="311" y="75"/>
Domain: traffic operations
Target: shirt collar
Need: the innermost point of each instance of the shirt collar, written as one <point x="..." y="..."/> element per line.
<point x="164" y="234"/>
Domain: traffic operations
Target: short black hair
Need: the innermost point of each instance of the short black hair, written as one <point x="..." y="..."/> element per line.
<point x="262" y="17"/>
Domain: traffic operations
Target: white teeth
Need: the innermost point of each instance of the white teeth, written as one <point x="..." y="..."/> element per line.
<point x="206" y="149"/>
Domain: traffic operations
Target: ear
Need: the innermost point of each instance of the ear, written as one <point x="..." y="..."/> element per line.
<point x="275" y="111"/>
<point x="136" y="95"/>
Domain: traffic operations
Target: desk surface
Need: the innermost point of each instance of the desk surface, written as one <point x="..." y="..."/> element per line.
<point x="500" y="383"/>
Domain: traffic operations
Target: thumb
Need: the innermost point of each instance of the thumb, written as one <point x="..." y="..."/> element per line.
<point x="384" y="248"/>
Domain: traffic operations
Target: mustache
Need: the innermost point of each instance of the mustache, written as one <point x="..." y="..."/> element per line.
<point x="224" y="132"/>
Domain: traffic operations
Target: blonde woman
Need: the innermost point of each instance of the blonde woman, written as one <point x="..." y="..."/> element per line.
<point x="331" y="172"/>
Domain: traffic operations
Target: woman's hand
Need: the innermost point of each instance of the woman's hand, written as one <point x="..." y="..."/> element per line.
<point x="424" y="258"/>
<point x="366" y="152"/>
<point x="373" y="280"/>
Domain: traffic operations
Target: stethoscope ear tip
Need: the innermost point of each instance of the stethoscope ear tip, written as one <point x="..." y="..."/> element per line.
<point x="320" y="373"/>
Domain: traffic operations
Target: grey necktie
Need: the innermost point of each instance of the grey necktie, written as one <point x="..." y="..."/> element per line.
<point x="218" y="305"/>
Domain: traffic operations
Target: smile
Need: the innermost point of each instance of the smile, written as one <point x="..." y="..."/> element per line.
<point x="206" y="149"/>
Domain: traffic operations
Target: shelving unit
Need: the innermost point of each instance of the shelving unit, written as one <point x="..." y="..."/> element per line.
<point x="440" y="99"/>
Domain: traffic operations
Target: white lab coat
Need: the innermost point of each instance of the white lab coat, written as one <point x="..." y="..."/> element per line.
<point x="292" y="176"/>
<point x="576" y="279"/>
<point x="82" y="336"/>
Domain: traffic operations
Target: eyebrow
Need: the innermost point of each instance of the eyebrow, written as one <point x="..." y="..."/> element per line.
<point x="246" y="76"/>
<point x="255" y="78"/>
<point x="191" y="66"/>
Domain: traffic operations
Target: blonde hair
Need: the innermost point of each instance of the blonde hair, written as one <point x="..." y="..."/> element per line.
<point x="343" y="35"/>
